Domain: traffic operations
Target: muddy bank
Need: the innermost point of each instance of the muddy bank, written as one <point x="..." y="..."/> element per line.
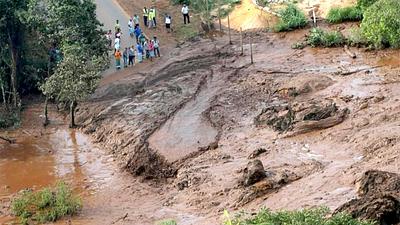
<point x="341" y="123"/>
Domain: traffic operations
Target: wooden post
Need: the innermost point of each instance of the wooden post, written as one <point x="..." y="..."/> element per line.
<point x="219" y="20"/>
<point x="251" y="49"/>
<point x="314" y="17"/>
<point x="241" y="41"/>
<point x="229" y="31"/>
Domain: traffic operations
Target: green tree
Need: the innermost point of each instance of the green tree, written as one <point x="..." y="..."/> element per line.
<point x="75" y="78"/>
<point x="381" y="24"/>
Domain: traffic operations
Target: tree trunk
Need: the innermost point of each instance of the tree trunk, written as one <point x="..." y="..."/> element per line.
<point x="72" y="114"/>
<point x="3" y="92"/>
<point x="14" y="64"/>
<point x="46" y="118"/>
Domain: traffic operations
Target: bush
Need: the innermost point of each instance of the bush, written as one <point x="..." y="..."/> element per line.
<point x="291" y="18"/>
<point x="9" y="118"/>
<point x="364" y="4"/>
<point x="338" y="15"/>
<point x="167" y="222"/>
<point x="321" y="38"/>
<point x="356" y="38"/>
<point x="381" y="24"/>
<point x="317" y="216"/>
<point x="46" y="205"/>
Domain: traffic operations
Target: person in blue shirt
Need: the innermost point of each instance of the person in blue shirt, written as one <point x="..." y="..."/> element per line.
<point x="137" y="32"/>
<point x="139" y="52"/>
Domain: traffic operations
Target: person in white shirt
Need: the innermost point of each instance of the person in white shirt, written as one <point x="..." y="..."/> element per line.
<point x="130" y="23"/>
<point x="168" y="21"/>
<point x="185" y="12"/>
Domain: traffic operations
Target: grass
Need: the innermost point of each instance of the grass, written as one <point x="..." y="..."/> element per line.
<point x="321" y="38"/>
<point x="291" y="18"/>
<point x="356" y="38"/>
<point x="167" y="222"/>
<point x="47" y="205"/>
<point x="186" y="32"/>
<point x="319" y="216"/>
<point x="9" y="118"/>
<point x="338" y="15"/>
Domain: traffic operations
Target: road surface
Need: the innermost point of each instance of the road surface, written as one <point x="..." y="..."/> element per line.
<point x="108" y="11"/>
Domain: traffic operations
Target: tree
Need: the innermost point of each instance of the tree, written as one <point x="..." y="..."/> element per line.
<point x="75" y="78"/>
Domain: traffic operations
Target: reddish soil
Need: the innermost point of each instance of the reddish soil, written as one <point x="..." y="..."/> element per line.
<point x="206" y="96"/>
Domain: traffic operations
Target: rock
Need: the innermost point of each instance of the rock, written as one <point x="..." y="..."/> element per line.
<point x="379" y="198"/>
<point x="383" y="208"/>
<point x="363" y="106"/>
<point x="257" y="152"/>
<point x="253" y="173"/>
<point x="378" y="98"/>
<point x="375" y="181"/>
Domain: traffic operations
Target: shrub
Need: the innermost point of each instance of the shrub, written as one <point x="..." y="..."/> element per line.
<point x="321" y="38"/>
<point x="364" y="4"/>
<point x="317" y="216"/>
<point x="338" y="15"/>
<point x="291" y="18"/>
<point x="381" y="24"/>
<point x="46" y="205"/>
<point x="167" y="222"/>
<point x="356" y="38"/>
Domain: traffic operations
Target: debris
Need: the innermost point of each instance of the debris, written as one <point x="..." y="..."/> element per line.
<point x="253" y="173"/>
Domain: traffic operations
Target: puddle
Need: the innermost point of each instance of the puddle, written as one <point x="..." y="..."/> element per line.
<point x="36" y="162"/>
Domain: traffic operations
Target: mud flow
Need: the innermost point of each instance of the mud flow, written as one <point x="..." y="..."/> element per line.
<point x="37" y="162"/>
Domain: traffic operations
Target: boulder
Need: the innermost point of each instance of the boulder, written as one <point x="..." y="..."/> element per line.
<point x="379" y="198"/>
<point x="253" y="173"/>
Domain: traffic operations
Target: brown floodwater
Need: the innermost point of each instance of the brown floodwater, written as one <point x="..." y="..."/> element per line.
<point x="40" y="161"/>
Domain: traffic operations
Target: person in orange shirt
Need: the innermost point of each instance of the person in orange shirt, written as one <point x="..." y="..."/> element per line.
<point x="118" y="56"/>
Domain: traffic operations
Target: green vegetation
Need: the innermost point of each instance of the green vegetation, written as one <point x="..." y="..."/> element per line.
<point x="381" y="24"/>
<point x="303" y="217"/>
<point x="364" y="4"/>
<point x="47" y="205"/>
<point x="291" y="18"/>
<point x="167" y="222"/>
<point x="35" y="34"/>
<point x="321" y="38"/>
<point x="356" y="38"/>
<point x="338" y="15"/>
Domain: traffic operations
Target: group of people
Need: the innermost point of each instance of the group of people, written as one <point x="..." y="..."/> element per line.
<point x="144" y="47"/>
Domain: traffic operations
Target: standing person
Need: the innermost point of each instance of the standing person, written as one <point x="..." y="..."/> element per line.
<point x="145" y="16"/>
<point x="117" y="26"/>
<point x="185" y="13"/>
<point x="117" y="44"/>
<point x="151" y="50"/>
<point x="130" y="23"/>
<point x="154" y="16"/>
<point x="118" y="59"/>
<point x="131" y="55"/>
<point x="136" y="20"/>
<point x="150" y="18"/>
<point x="125" y="56"/>
<point x="146" y="48"/>
<point x="156" y="47"/>
<point x="142" y="39"/>
<point x="139" y="52"/>
<point x="138" y="32"/>
<point x="109" y="38"/>
<point x="168" y="22"/>
<point x="131" y="32"/>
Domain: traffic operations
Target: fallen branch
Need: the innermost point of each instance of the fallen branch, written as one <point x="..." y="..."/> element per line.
<point x="121" y="218"/>
<point x="343" y="73"/>
<point x="348" y="52"/>
<point x="7" y="139"/>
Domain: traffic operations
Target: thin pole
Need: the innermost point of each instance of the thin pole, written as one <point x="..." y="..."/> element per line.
<point x="229" y="30"/>
<point x="241" y="40"/>
<point x="251" y="48"/>
<point x="219" y="19"/>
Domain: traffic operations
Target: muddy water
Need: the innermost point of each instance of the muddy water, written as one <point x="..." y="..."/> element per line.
<point x="188" y="130"/>
<point x="36" y="162"/>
